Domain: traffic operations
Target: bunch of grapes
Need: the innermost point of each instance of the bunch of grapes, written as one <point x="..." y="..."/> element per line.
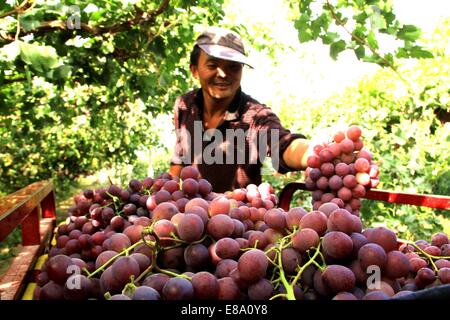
<point x="173" y="238"/>
<point x="341" y="171"/>
<point x="168" y="223"/>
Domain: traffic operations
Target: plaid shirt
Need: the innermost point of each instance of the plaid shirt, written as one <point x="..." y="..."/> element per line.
<point x="241" y="159"/>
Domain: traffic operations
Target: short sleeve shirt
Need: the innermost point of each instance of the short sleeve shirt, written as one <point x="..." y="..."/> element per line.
<point x="231" y="155"/>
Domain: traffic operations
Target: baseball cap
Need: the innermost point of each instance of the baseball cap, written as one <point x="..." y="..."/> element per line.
<point x="223" y="44"/>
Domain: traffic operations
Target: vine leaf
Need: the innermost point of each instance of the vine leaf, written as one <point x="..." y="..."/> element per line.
<point x="336" y="48"/>
<point x="41" y="58"/>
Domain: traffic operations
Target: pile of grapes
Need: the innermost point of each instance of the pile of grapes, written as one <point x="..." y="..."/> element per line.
<point x="173" y="238"/>
<point x="341" y="171"/>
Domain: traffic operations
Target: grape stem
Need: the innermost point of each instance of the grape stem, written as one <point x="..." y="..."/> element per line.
<point x="171" y="247"/>
<point x="427" y="255"/>
<point x="125" y="251"/>
<point x="147" y="271"/>
<point x="173" y="274"/>
<point x="284" y="295"/>
<point x="159" y="239"/>
<point x="87" y="272"/>
<point x="289" y="244"/>
<point x="270" y="250"/>
<point x="289" y="289"/>
<point x="115" y="200"/>
<point x="130" y="287"/>
<point x="311" y="260"/>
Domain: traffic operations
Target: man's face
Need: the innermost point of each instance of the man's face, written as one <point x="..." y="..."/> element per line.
<point x="219" y="78"/>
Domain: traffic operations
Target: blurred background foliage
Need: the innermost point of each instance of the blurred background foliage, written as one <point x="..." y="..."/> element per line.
<point x="75" y="101"/>
<point x="403" y="127"/>
<point x="94" y="101"/>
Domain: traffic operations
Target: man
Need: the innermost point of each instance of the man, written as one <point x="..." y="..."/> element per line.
<point x="222" y="131"/>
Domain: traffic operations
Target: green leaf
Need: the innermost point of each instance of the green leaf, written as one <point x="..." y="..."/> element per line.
<point x="408" y="32"/>
<point x="303" y="6"/>
<point x="41" y="58"/>
<point x="418" y="52"/>
<point x="304" y="32"/>
<point x="336" y="48"/>
<point x="303" y="26"/>
<point x="325" y="20"/>
<point x="410" y="219"/>
<point x="372" y="58"/>
<point x="413" y="52"/>
<point x="360" y="31"/>
<point x="304" y="36"/>
<point x="316" y="26"/>
<point x="401" y="53"/>
<point x="389" y="17"/>
<point x="372" y="41"/>
<point x="329" y="37"/>
<point x="389" y="58"/>
<point x="97" y="15"/>
<point x="29" y="23"/>
<point x="360" y="52"/>
<point x="62" y="72"/>
<point x="377" y="20"/>
<point x="343" y="20"/>
<point x="390" y="30"/>
<point x="360" y="3"/>
<point x="360" y="18"/>
<point x="107" y="47"/>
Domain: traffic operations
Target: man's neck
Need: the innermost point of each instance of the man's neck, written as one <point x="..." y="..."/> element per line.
<point x="215" y="107"/>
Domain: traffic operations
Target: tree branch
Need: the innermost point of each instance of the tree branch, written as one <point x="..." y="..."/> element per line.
<point x="9" y="81"/>
<point x="6" y="36"/>
<point x="19" y="9"/>
<point x="356" y="38"/>
<point x="141" y="18"/>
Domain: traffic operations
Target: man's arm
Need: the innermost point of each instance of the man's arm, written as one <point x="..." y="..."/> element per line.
<point x="297" y="153"/>
<point x="175" y="170"/>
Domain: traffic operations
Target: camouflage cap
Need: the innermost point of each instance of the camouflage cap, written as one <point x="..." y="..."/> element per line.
<point x="223" y="44"/>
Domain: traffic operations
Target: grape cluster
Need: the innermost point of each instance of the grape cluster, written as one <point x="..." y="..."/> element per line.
<point x="341" y="171"/>
<point x="173" y="238"/>
<point x="136" y="239"/>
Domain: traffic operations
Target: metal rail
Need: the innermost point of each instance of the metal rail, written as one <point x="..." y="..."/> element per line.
<point x="424" y="200"/>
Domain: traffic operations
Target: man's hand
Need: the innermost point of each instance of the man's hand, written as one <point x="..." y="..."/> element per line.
<point x="296" y="154"/>
<point x="175" y="170"/>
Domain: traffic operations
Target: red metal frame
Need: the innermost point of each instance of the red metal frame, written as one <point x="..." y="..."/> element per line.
<point x="23" y="207"/>
<point x="424" y="200"/>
